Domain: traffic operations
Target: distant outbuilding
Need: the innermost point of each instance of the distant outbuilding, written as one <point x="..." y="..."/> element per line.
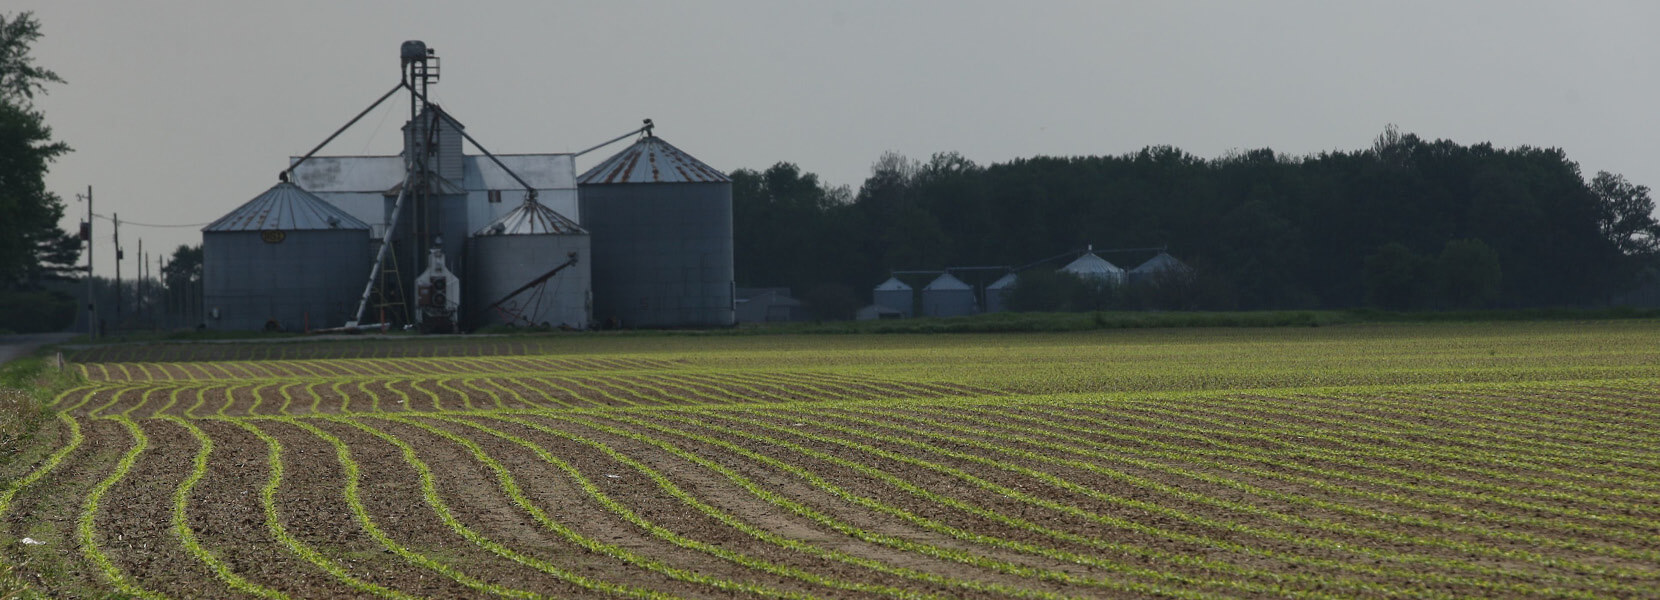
<point x="895" y="294"/>
<point x="947" y="296"/>
<point x="876" y="312"/>
<point x="1090" y="267"/>
<point x="1163" y="263"/>
<point x="998" y="293"/>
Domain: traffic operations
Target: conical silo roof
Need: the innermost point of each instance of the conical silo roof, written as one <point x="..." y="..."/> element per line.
<point x="1162" y="262"/>
<point x="893" y="284"/>
<point x="532" y="218"/>
<point x="1004" y="282"/>
<point x="286" y="207"/>
<point x="1090" y="265"/>
<point x="652" y="160"/>
<point x="946" y="282"/>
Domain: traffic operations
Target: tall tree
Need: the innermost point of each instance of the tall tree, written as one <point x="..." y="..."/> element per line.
<point x="1626" y="214"/>
<point x="28" y="212"/>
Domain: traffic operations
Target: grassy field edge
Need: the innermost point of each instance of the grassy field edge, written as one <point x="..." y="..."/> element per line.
<point x="27" y="386"/>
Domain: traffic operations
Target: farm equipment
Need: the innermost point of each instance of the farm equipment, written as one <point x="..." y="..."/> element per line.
<point x="437" y="295"/>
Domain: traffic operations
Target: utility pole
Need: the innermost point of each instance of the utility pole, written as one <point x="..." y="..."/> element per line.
<point x="118" y="256"/>
<point x="166" y="296"/>
<point x="138" y="284"/>
<point x="91" y="295"/>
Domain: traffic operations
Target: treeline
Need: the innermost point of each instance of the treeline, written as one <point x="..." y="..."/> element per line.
<point x="1404" y="224"/>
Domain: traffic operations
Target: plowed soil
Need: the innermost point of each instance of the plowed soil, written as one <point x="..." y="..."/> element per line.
<point x="494" y="468"/>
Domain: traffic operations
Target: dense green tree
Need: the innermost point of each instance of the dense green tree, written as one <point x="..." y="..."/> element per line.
<point x="1396" y="277"/>
<point x="28" y="212"/>
<point x="183" y="269"/>
<point x="1469" y="274"/>
<point x="1405" y="223"/>
<point x="1626" y="214"/>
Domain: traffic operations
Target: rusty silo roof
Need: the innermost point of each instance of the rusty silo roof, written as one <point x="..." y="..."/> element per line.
<point x="532" y="218"/>
<point x="652" y="160"/>
<point x="286" y="207"/>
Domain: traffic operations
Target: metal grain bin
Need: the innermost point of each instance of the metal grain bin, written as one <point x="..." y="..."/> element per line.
<point x="894" y="294"/>
<point x="286" y="258"/>
<point x="1090" y="267"/>
<point x="519" y="248"/>
<point x="1162" y="264"/>
<point x="661" y="226"/>
<point x="947" y="296"/>
<point x="997" y="294"/>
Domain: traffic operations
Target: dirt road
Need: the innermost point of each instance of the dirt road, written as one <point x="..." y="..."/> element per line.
<point x="20" y="345"/>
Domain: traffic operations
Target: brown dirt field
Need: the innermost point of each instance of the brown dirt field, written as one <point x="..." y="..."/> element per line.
<point x="716" y="490"/>
<point x="1257" y="496"/>
<point x="1070" y="523"/>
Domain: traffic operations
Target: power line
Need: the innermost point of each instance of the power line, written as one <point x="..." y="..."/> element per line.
<point x="138" y="224"/>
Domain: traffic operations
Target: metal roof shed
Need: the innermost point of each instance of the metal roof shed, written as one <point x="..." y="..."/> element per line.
<point x="286" y="258"/>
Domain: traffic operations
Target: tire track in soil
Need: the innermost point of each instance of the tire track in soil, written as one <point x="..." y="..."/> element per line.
<point x="312" y="504"/>
<point x="477" y="499"/>
<point x="131" y="524"/>
<point x="391" y="495"/>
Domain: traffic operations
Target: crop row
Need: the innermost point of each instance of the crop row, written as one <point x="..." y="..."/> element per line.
<point x="798" y="485"/>
<point x="285" y="397"/>
<point x="306" y="350"/>
<point x="140" y="372"/>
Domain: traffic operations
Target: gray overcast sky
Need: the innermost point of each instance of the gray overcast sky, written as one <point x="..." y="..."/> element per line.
<point x="181" y="110"/>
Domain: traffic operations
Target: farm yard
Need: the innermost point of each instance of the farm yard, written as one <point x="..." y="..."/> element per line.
<point x="1436" y="461"/>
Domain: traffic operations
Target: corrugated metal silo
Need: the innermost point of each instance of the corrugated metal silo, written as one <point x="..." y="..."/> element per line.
<point x="661" y="226"/>
<point x="1090" y="267"/>
<point x="947" y="296"/>
<point x="286" y="257"/>
<point x="894" y="294"/>
<point x="519" y="248"/>
<point x="997" y="294"/>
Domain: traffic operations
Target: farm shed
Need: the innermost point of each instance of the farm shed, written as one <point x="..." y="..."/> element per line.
<point x="875" y="312"/>
<point x="764" y="305"/>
